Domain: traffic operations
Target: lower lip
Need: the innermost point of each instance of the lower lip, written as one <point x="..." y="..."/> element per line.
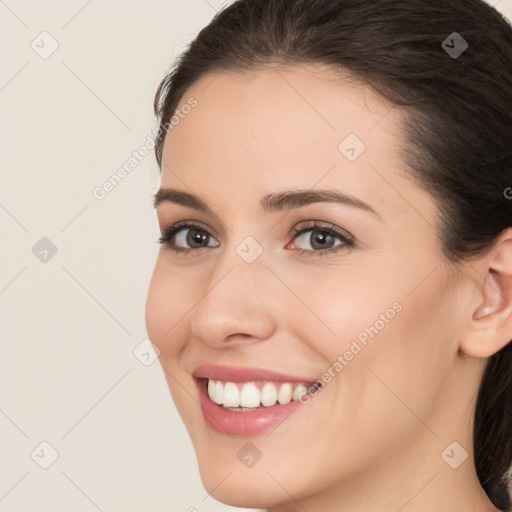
<point x="249" y="423"/>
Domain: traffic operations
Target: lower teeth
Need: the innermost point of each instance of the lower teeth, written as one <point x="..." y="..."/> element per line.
<point x="243" y="409"/>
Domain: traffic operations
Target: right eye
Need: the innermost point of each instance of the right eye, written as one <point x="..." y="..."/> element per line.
<point x="179" y="235"/>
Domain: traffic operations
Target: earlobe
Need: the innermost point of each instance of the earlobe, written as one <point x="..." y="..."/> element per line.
<point x="491" y="322"/>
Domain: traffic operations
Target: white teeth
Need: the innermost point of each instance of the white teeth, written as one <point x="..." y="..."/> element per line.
<point x="299" y="391"/>
<point x="284" y="395"/>
<point x="268" y="394"/>
<point x="218" y="393"/>
<point x="243" y="397"/>
<point x="250" y="396"/>
<point x="231" y="395"/>
<point x="211" y="389"/>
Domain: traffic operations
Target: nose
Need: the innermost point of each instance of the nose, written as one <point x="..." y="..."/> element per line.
<point x="238" y="303"/>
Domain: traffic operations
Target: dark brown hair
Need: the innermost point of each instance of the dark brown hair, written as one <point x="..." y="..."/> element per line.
<point x="458" y="126"/>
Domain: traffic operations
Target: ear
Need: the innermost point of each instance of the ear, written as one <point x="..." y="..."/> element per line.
<point x="491" y="322"/>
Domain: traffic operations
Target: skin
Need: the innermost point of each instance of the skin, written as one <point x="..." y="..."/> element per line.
<point x="372" y="439"/>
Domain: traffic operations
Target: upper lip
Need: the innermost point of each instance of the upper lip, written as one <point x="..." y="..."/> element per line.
<point x="243" y="374"/>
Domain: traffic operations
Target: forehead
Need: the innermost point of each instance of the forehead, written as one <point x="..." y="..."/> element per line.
<point x="278" y="128"/>
<point x="274" y="112"/>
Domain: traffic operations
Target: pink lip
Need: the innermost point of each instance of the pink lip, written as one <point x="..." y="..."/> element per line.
<point x="243" y="374"/>
<point x="249" y="423"/>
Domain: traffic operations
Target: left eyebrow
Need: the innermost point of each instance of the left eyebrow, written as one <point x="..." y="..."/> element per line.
<point x="280" y="201"/>
<point x="298" y="198"/>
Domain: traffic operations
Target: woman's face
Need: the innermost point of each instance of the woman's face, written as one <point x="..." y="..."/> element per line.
<point x="369" y="309"/>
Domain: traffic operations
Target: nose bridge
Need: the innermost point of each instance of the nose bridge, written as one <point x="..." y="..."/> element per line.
<point x="236" y="297"/>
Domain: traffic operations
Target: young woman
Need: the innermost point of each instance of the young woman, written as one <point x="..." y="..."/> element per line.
<point x="333" y="296"/>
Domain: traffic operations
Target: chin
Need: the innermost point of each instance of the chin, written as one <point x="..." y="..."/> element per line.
<point x="242" y="489"/>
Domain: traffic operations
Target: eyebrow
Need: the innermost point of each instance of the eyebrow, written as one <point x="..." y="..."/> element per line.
<point x="279" y="201"/>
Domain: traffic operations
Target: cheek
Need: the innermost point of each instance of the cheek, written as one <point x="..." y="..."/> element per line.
<point x="403" y="365"/>
<point x="343" y="305"/>
<point x="377" y="338"/>
<point x="166" y="305"/>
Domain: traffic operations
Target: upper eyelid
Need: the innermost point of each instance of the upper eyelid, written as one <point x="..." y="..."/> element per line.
<point x="177" y="226"/>
<point x="314" y="224"/>
<point x="310" y="225"/>
<point x="319" y="227"/>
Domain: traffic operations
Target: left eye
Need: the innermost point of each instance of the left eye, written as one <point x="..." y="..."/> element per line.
<point x="321" y="238"/>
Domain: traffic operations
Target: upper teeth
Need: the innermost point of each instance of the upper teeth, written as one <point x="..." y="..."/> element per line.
<point x="231" y="394"/>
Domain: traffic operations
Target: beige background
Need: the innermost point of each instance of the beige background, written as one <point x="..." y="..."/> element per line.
<point x="70" y="324"/>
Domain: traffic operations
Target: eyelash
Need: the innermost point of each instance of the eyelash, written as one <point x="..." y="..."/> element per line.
<point x="167" y="237"/>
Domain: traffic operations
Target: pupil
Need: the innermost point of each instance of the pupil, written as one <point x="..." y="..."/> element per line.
<point x="321" y="239"/>
<point x="196" y="237"/>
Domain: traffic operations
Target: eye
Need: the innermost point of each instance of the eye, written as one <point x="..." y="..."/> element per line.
<point x="322" y="239"/>
<point x="192" y="235"/>
<point x="186" y="237"/>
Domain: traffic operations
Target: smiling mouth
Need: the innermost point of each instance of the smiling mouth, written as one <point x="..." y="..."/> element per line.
<point x="251" y="396"/>
<point x="248" y="401"/>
